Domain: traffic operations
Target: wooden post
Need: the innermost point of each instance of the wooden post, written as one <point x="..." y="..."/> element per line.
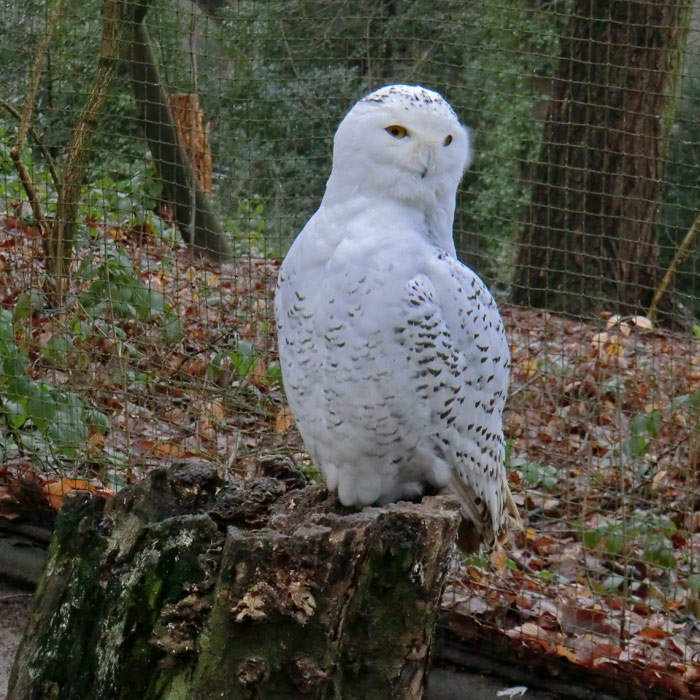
<point x="184" y="587"/>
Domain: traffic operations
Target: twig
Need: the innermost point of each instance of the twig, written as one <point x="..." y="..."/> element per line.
<point x="25" y="118"/>
<point x="37" y="140"/>
<point x="14" y="596"/>
<point x="28" y="107"/>
<point x="678" y="260"/>
<point x="524" y="386"/>
<point x="33" y="199"/>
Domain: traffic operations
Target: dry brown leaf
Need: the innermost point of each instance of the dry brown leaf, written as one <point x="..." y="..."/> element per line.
<point x="195" y="366"/>
<point x="56" y="489"/>
<point x="167" y="449"/>
<point x="652" y="633"/>
<point x="207" y="430"/>
<point x="658" y="478"/>
<point x="216" y="411"/>
<point x="643" y="322"/>
<point x="284" y="420"/>
<point x="258" y="376"/>
<point x="567" y="654"/>
<point x="116" y="234"/>
<point x="499" y="558"/>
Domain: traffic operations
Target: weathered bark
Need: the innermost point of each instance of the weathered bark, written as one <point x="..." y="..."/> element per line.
<point x="195" y="219"/>
<point x="22" y="553"/>
<point x="589" y="241"/>
<point x="182" y="587"/>
<point x="119" y="15"/>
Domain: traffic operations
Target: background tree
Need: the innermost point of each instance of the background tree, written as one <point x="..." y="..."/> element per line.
<point x="590" y="236"/>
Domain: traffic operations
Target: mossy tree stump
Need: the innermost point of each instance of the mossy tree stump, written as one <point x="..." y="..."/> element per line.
<point x="183" y="587"/>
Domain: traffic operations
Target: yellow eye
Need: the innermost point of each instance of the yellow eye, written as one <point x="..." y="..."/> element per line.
<point x="398" y="132"/>
<point x="448" y="140"/>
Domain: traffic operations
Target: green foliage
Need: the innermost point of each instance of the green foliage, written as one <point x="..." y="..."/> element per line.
<point x="248" y="230"/>
<point x="11" y="190"/>
<point x="116" y="288"/>
<point x="536" y="474"/>
<point x="275" y="99"/>
<point x="644" y="427"/>
<point x="273" y="376"/>
<point x="642" y="530"/>
<point x="241" y="357"/>
<point x="288" y="95"/>
<point x="688" y="402"/>
<point x="131" y="199"/>
<point x="116" y="291"/>
<point x="38" y="417"/>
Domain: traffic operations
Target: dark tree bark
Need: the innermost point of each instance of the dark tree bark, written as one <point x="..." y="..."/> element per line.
<point x="589" y="240"/>
<point x="195" y="219"/>
<point x="118" y="16"/>
<point x="182" y="587"/>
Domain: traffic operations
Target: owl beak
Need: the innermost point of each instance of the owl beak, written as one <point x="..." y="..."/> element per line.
<point x="427" y="159"/>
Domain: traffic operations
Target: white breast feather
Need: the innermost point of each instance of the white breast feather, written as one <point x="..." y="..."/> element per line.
<point x="394" y="357"/>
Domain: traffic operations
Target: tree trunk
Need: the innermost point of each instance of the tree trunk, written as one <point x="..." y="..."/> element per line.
<point x="183" y="587"/>
<point x="589" y="241"/>
<point x="195" y="219"/>
<point x="118" y="16"/>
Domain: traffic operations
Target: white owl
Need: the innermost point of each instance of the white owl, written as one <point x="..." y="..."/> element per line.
<point x="394" y="357"/>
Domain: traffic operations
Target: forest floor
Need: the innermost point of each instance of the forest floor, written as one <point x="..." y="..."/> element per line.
<point x="179" y="356"/>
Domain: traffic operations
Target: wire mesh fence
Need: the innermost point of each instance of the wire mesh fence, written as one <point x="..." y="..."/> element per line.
<point x="135" y="137"/>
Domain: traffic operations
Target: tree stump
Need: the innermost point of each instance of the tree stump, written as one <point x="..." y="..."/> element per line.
<point x="185" y="587"/>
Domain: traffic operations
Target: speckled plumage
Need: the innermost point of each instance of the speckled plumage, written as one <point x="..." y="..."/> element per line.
<point x="394" y="357"/>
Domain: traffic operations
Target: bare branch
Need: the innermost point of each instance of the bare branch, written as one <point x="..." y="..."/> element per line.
<point x="34" y="134"/>
<point x="678" y="259"/>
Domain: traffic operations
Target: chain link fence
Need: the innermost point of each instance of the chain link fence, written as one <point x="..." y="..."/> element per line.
<point x="158" y="158"/>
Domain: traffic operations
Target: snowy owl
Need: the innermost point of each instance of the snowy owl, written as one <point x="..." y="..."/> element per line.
<point x="394" y="357"/>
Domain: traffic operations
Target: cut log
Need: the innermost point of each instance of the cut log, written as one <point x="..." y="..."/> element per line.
<point x="184" y="586"/>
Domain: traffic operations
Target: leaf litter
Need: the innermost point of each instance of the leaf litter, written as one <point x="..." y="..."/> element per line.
<point x="601" y="423"/>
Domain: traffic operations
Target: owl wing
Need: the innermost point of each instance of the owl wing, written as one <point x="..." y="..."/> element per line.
<point x="396" y="370"/>
<point x="454" y="337"/>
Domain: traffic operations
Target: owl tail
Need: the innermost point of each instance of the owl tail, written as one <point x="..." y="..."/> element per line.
<point x="473" y="534"/>
<point x="512" y="519"/>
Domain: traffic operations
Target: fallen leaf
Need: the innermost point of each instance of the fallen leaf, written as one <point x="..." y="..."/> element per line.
<point x="216" y="411"/>
<point x="567" y="654"/>
<point x="56" y="489"/>
<point x="206" y="430"/>
<point x="284" y="420"/>
<point x="643" y="322"/>
<point x="499" y="558"/>
<point x="652" y="633"/>
<point x="258" y="376"/>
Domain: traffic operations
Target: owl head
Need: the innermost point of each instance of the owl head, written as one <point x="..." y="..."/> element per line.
<point x="403" y="141"/>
